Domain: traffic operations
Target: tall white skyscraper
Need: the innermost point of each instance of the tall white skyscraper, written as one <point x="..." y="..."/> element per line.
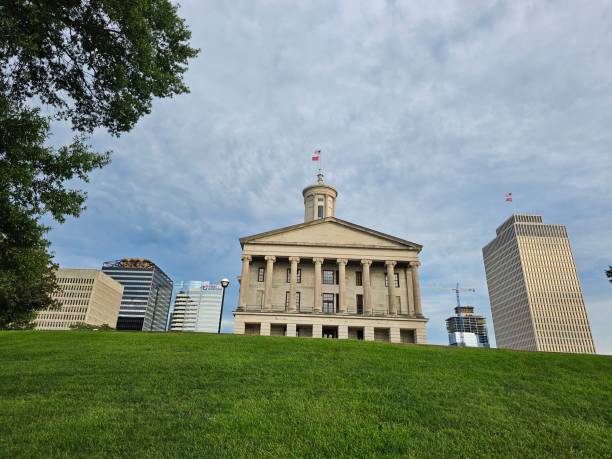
<point x="536" y="298"/>
<point x="197" y="305"/>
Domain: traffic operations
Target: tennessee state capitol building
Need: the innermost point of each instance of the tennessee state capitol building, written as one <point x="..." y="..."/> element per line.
<point x="330" y="278"/>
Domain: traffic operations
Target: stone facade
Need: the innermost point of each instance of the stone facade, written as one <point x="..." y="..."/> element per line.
<point x="328" y="278"/>
<point x="86" y="296"/>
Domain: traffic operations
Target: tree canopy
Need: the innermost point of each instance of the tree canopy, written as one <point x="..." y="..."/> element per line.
<point x="95" y="64"/>
<point x="99" y="63"/>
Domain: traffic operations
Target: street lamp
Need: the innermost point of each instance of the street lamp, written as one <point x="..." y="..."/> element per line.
<point x="224" y="284"/>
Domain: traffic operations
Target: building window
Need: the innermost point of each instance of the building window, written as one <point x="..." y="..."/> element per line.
<point x="299" y="275"/>
<point x="261" y="274"/>
<point x="328" y="277"/>
<point x="328" y="303"/>
<point x="358" y="278"/>
<point x="319" y="211"/>
<point x="297" y="300"/>
<point x="396" y="275"/>
<point x="359" y="302"/>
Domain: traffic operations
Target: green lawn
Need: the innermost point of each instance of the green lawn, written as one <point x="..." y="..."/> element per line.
<point x="164" y="394"/>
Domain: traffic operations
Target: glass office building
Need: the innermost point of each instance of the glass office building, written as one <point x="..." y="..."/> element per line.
<point x="196" y="306"/>
<point x="147" y="291"/>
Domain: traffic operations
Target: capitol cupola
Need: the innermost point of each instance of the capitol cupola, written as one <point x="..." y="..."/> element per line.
<point x="319" y="200"/>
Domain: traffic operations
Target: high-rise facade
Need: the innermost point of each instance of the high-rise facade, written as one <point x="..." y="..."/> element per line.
<point x="146" y="295"/>
<point x="536" y="298"/>
<point x="86" y="296"/>
<point x="467" y="329"/>
<point x="197" y="305"/>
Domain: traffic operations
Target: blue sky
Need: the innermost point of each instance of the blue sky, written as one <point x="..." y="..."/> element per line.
<point x="426" y="113"/>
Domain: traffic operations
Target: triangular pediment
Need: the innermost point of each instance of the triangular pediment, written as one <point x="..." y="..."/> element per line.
<point x="330" y="232"/>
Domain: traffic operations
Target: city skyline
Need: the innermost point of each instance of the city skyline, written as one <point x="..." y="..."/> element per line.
<point x="426" y="129"/>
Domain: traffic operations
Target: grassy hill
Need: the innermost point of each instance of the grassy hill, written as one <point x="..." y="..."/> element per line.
<point x="163" y="394"/>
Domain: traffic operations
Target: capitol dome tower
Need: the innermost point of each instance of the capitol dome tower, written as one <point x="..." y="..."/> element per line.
<point x="319" y="200"/>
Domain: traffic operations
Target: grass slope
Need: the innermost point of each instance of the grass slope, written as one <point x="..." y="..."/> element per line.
<point x="163" y="394"/>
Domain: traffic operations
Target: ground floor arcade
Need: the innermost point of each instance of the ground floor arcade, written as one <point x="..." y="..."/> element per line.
<point x="394" y="330"/>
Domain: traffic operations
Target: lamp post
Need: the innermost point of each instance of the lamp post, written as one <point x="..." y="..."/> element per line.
<point x="224" y="283"/>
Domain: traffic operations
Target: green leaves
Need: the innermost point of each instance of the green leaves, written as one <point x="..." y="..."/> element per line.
<point x="32" y="183"/>
<point x="98" y="63"/>
<point x="32" y="175"/>
<point x="95" y="63"/>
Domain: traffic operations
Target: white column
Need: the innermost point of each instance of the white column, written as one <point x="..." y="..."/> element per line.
<point x="416" y="288"/>
<point x="317" y="284"/>
<point x="367" y="288"/>
<point x="342" y="285"/>
<point x="317" y="331"/>
<point x="368" y="333"/>
<point x="291" y="330"/>
<point x="342" y="331"/>
<point x="391" y="287"/>
<point x="293" y="285"/>
<point x="409" y="291"/>
<point x="264" y="329"/>
<point x="268" y="285"/>
<point x="244" y="281"/>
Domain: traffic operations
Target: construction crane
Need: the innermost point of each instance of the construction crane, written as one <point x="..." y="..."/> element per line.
<point x="457" y="291"/>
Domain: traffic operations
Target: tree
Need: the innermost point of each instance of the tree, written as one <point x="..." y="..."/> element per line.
<point x="98" y="62"/>
<point x="32" y="178"/>
<point x="95" y="64"/>
<point x="609" y="273"/>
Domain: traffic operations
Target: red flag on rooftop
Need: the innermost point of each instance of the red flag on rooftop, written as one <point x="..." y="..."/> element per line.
<point x="316" y="156"/>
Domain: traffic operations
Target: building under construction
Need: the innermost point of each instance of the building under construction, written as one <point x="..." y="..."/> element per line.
<point x="467" y="329"/>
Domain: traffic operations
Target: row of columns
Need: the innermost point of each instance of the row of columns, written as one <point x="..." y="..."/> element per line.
<point x="412" y="283"/>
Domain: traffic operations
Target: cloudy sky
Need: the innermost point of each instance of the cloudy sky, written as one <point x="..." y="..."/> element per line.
<point x="426" y="113"/>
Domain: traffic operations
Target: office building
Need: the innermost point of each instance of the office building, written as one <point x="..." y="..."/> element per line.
<point x="196" y="306"/>
<point x="536" y="298"/>
<point x="86" y="296"/>
<point x="467" y="329"/>
<point x="330" y="278"/>
<point x="146" y="295"/>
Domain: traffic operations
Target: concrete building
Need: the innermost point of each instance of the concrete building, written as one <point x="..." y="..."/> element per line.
<point x="197" y="306"/>
<point x="146" y="295"/>
<point x="467" y="329"/>
<point x="535" y="294"/>
<point x="87" y="296"/>
<point x="330" y="278"/>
